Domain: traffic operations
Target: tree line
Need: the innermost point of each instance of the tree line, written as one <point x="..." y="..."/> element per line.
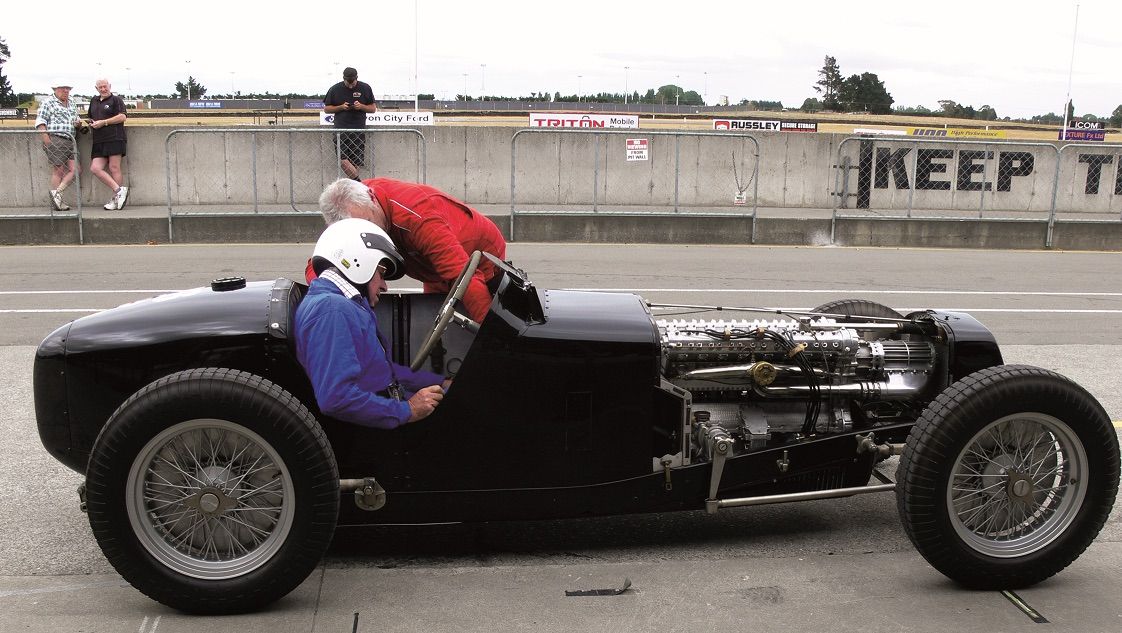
<point x="863" y="92"/>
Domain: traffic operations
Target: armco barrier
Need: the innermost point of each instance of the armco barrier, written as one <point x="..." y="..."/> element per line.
<point x="271" y="171"/>
<point x="25" y="180"/>
<point x="633" y="172"/>
<point x="944" y="180"/>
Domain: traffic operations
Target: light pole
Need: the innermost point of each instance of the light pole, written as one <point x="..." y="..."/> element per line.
<point x="707" y="86"/>
<point x="188" y="83"/>
<point x="232" y="84"/>
<point x="1063" y="132"/>
<point x="482" y="81"/>
<point x="626" y="71"/>
<point x="416" y="87"/>
<point x="677" y="89"/>
<point x="465" y="95"/>
<point x="578" y="87"/>
<point x="128" y="69"/>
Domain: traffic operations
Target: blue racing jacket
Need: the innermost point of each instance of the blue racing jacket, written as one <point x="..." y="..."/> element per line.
<point x="338" y="344"/>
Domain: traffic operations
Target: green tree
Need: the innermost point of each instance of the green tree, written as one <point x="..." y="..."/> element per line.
<point x="1070" y="110"/>
<point x="6" y="93"/>
<point x="830" y="83"/>
<point x="865" y="93"/>
<point x="811" y="105"/>
<point x="196" y="91"/>
<point x="1116" y="117"/>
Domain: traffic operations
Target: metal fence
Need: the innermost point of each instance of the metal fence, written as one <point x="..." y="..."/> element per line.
<point x="894" y="178"/>
<point x="25" y="180"/>
<point x="633" y="172"/>
<point x="279" y="171"/>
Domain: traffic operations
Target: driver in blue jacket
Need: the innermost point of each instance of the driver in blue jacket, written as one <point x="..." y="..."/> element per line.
<point x="337" y="338"/>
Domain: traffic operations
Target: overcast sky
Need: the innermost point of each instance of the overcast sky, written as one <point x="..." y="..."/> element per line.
<point x="1014" y="56"/>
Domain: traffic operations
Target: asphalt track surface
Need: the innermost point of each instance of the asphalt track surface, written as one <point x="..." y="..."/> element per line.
<point x="840" y="564"/>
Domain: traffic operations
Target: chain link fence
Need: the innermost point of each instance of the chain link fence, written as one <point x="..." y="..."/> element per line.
<point x="1089" y="182"/>
<point x="633" y="172"/>
<point x="25" y="181"/>
<point x="279" y="171"/>
<point x="891" y="177"/>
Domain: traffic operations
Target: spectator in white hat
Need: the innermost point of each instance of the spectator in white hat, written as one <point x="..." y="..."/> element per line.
<point x="57" y="120"/>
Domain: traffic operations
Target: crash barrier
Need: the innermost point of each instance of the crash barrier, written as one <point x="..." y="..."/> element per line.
<point x="633" y="172"/>
<point x="25" y="180"/>
<point x="892" y="178"/>
<point x="278" y="171"/>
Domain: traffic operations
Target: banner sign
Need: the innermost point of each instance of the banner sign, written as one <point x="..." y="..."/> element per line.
<point x="637" y="149"/>
<point x="207" y="105"/>
<point x="1082" y="135"/>
<point x="387" y="118"/>
<point x="563" y="119"/>
<point x="1080" y="124"/>
<point x="313" y="105"/>
<point x="764" y="126"/>
<point x="12" y="113"/>
<point x="955" y="132"/>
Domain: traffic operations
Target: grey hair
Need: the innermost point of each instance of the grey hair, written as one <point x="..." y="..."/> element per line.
<point x="341" y="196"/>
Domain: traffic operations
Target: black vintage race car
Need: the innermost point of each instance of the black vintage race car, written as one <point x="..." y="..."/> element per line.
<point x="214" y="485"/>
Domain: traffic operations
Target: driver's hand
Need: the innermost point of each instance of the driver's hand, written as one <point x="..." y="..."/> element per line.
<point x="424" y="402"/>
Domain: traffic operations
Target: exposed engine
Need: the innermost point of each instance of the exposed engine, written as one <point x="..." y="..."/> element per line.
<point x="755" y="382"/>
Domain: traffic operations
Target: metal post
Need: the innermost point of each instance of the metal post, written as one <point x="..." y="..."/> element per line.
<point x="677" y="168"/>
<point x="291" y="177"/>
<point x="915" y="178"/>
<point x="253" y="154"/>
<point x="1055" y="192"/>
<point x="596" y="173"/>
<point x="982" y="193"/>
<point x="755" y="188"/>
<point x="167" y="174"/>
<point x="513" y="167"/>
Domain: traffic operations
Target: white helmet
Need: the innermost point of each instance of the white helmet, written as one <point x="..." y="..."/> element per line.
<point x="356" y="247"/>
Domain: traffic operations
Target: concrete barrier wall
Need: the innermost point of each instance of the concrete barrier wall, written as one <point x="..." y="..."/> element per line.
<point x="279" y="166"/>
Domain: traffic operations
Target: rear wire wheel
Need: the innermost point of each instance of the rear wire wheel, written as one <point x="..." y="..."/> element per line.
<point x="213" y="491"/>
<point x="858" y="308"/>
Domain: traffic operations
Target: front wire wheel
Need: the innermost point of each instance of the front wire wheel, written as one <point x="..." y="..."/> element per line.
<point x="1017" y="485"/>
<point x="1007" y="477"/>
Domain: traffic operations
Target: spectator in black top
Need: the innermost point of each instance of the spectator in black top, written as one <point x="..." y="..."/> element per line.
<point x="350" y="100"/>
<point x="107" y="118"/>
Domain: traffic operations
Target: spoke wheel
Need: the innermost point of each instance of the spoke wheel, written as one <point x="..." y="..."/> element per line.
<point x="1007" y="477"/>
<point x="1017" y="485"/>
<point x="210" y="499"/>
<point x="213" y="491"/>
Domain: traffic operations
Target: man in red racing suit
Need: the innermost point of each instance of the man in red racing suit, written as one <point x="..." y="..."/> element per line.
<point x="434" y="232"/>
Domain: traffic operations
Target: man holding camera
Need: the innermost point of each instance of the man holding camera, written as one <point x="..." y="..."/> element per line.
<point x="107" y="118"/>
<point x="56" y="121"/>
<point x="350" y="100"/>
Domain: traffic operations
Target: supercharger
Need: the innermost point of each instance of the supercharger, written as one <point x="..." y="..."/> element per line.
<point x="757" y="382"/>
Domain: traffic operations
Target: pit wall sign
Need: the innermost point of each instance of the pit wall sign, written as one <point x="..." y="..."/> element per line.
<point x="955" y="132"/>
<point x="1082" y="134"/>
<point x="569" y="119"/>
<point x="387" y="118"/>
<point x="638" y="149"/>
<point x="730" y="125"/>
<point x="946" y="169"/>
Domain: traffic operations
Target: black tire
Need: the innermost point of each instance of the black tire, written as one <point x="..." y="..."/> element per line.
<point x="272" y="477"/>
<point x="1034" y="461"/>
<point x="858" y="308"/>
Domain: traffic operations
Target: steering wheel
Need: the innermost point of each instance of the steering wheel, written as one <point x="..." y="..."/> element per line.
<point x="446" y="312"/>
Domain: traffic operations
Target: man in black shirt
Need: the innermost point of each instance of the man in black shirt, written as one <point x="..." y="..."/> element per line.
<point x="107" y="118"/>
<point x="350" y="100"/>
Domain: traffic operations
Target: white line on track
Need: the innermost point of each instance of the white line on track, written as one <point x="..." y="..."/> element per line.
<point x="795" y="291"/>
<point x="763" y="309"/>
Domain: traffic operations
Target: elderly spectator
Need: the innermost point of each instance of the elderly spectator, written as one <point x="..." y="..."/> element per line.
<point x="57" y="120"/>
